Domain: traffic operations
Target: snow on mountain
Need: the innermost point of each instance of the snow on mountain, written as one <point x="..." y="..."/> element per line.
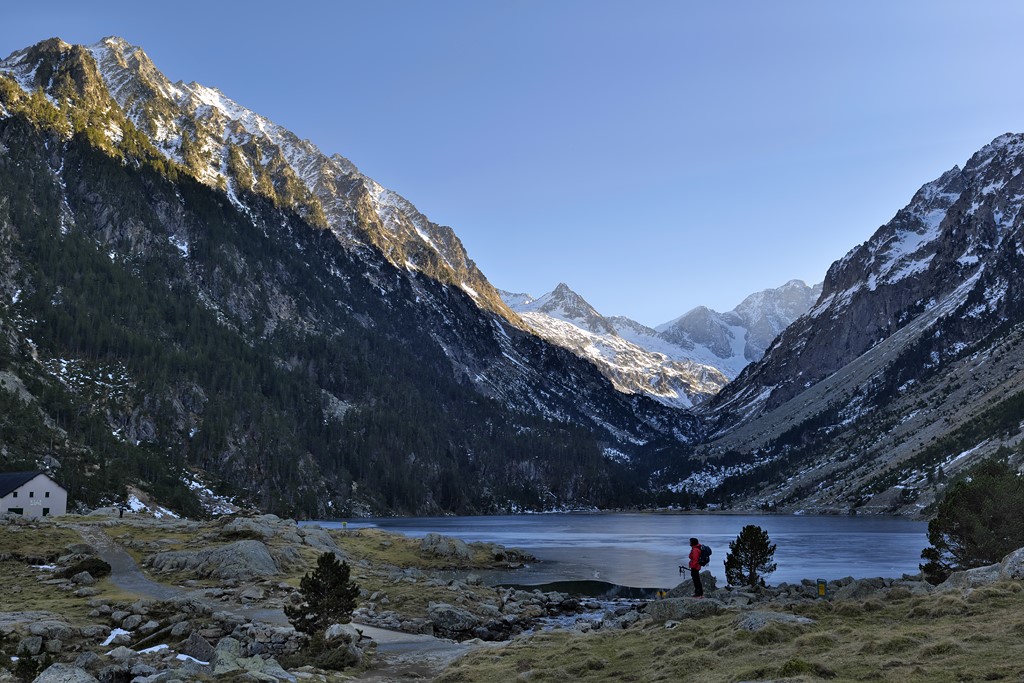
<point x="680" y="363"/>
<point x="227" y="145"/>
<point x="910" y="357"/>
<point x="731" y="341"/>
<point x="565" y="318"/>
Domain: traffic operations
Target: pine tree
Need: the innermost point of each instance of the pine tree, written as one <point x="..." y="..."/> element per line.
<point x="977" y="522"/>
<point x="328" y="597"/>
<point x="750" y="557"/>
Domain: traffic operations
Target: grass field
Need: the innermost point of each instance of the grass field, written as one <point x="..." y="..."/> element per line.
<point x="934" y="638"/>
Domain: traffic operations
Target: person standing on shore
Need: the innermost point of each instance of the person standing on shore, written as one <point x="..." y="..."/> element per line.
<point x="698" y="588"/>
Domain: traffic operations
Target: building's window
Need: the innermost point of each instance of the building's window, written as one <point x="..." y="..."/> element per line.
<point x="46" y="511"/>
<point x="31" y="494"/>
<point x="15" y="495"/>
<point x="17" y="511"/>
<point x="47" y="494"/>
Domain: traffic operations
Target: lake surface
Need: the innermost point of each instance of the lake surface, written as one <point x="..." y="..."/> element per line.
<point x="646" y="549"/>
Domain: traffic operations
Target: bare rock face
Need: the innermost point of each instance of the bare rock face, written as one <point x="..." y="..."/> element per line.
<point x="1012" y="566"/>
<point x="445" y="546"/>
<point x="243" y="560"/>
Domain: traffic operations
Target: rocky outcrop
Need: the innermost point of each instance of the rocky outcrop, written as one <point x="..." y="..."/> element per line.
<point x="756" y="621"/>
<point x="1010" y="567"/>
<point x="675" y="609"/>
<point x="447" y="547"/>
<point x="241" y="560"/>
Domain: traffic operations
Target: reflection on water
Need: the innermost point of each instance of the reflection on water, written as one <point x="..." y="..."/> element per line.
<point x="645" y="550"/>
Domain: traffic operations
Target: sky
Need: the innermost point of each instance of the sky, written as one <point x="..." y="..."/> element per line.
<point x="652" y="155"/>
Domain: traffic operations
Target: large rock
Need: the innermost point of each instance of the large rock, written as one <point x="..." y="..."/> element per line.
<point x="346" y="633"/>
<point x="242" y="560"/>
<point x="321" y="540"/>
<point x="755" y="621"/>
<point x="53" y="628"/>
<point x="860" y="589"/>
<point x="683" y="608"/>
<point x="197" y="647"/>
<point x="65" y="673"/>
<point x="971" y="578"/>
<point x="228" y="659"/>
<point x="1012" y="566"/>
<point x="452" y="621"/>
<point x="684" y="590"/>
<point x="446" y="547"/>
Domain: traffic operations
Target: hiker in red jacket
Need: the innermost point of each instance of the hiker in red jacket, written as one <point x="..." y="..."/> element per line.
<point x="698" y="588"/>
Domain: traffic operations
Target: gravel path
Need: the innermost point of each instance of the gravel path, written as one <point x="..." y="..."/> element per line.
<point x="400" y="656"/>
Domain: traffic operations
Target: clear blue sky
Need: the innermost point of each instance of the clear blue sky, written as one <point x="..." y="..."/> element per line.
<point x="652" y="155"/>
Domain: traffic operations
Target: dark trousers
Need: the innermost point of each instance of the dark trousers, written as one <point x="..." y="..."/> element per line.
<point x="698" y="587"/>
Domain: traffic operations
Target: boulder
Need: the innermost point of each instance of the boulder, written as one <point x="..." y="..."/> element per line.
<point x="755" y="621"/>
<point x="452" y="621"/>
<point x="228" y="658"/>
<point x="249" y="527"/>
<point x="860" y="589"/>
<point x="122" y="653"/>
<point x="346" y="633"/>
<point x="446" y="547"/>
<point x="319" y="539"/>
<point x="31" y="645"/>
<point x="83" y="579"/>
<point x="685" y="589"/>
<point x="971" y="578"/>
<point x="52" y="628"/>
<point x="131" y="622"/>
<point x="197" y="647"/>
<point x="676" y="609"/>
<point x="1012" y="566"/>
<point x="65" y="673"/>
<point x="242" y="560"/>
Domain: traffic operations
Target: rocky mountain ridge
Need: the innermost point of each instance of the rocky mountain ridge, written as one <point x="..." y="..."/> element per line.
<point x="177" y="296"/>
<point x="681" y="363"/>
<point x="906" y="371"/>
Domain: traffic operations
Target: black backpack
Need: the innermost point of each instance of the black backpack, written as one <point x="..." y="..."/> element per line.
<point x="705" y="555"/>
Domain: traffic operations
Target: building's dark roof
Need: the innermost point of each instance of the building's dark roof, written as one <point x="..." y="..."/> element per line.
<point x="12" y="480"/>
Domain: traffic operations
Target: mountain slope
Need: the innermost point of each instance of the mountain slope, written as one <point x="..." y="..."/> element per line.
<point x="565" y="318"/>
<point x="226" y="145"/>
<point x="907" y="369"/>
<point x="732" y="340"/>
<point x="161" y="321"/>
<point x="682" y="363"/>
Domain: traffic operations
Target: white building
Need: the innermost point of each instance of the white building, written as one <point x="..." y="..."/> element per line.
<point x="32" y="494"/>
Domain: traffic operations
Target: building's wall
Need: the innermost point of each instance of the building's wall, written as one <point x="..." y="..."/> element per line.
<point x="39" y="496"/>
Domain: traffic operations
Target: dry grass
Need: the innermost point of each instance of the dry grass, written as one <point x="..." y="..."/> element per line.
<point x="930" y="638"/>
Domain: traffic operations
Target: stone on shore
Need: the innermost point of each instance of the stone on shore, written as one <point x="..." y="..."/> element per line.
<point x="447" y="547"/>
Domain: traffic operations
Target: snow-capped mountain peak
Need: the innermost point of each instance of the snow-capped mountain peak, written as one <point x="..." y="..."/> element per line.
<point x="225" y="144"/>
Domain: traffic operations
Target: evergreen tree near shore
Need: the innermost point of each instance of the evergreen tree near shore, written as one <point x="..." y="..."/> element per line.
<point x="328" y="597"/>
<point x="977" y="522"/>
<point x="750" y="557"/>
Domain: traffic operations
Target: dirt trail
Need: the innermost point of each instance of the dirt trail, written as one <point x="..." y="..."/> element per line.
<point x="400" y="656"/>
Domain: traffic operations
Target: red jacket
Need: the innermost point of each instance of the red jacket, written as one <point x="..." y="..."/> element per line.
<point x="695" y="557"/>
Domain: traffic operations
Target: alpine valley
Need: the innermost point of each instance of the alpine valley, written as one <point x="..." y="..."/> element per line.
<point x="195" y="300"/>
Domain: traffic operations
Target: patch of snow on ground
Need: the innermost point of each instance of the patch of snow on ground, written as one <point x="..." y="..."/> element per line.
<point x="113" y="634"/>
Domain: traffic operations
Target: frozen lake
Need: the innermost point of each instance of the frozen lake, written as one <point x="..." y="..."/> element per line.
<point x="645" y="549"/>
